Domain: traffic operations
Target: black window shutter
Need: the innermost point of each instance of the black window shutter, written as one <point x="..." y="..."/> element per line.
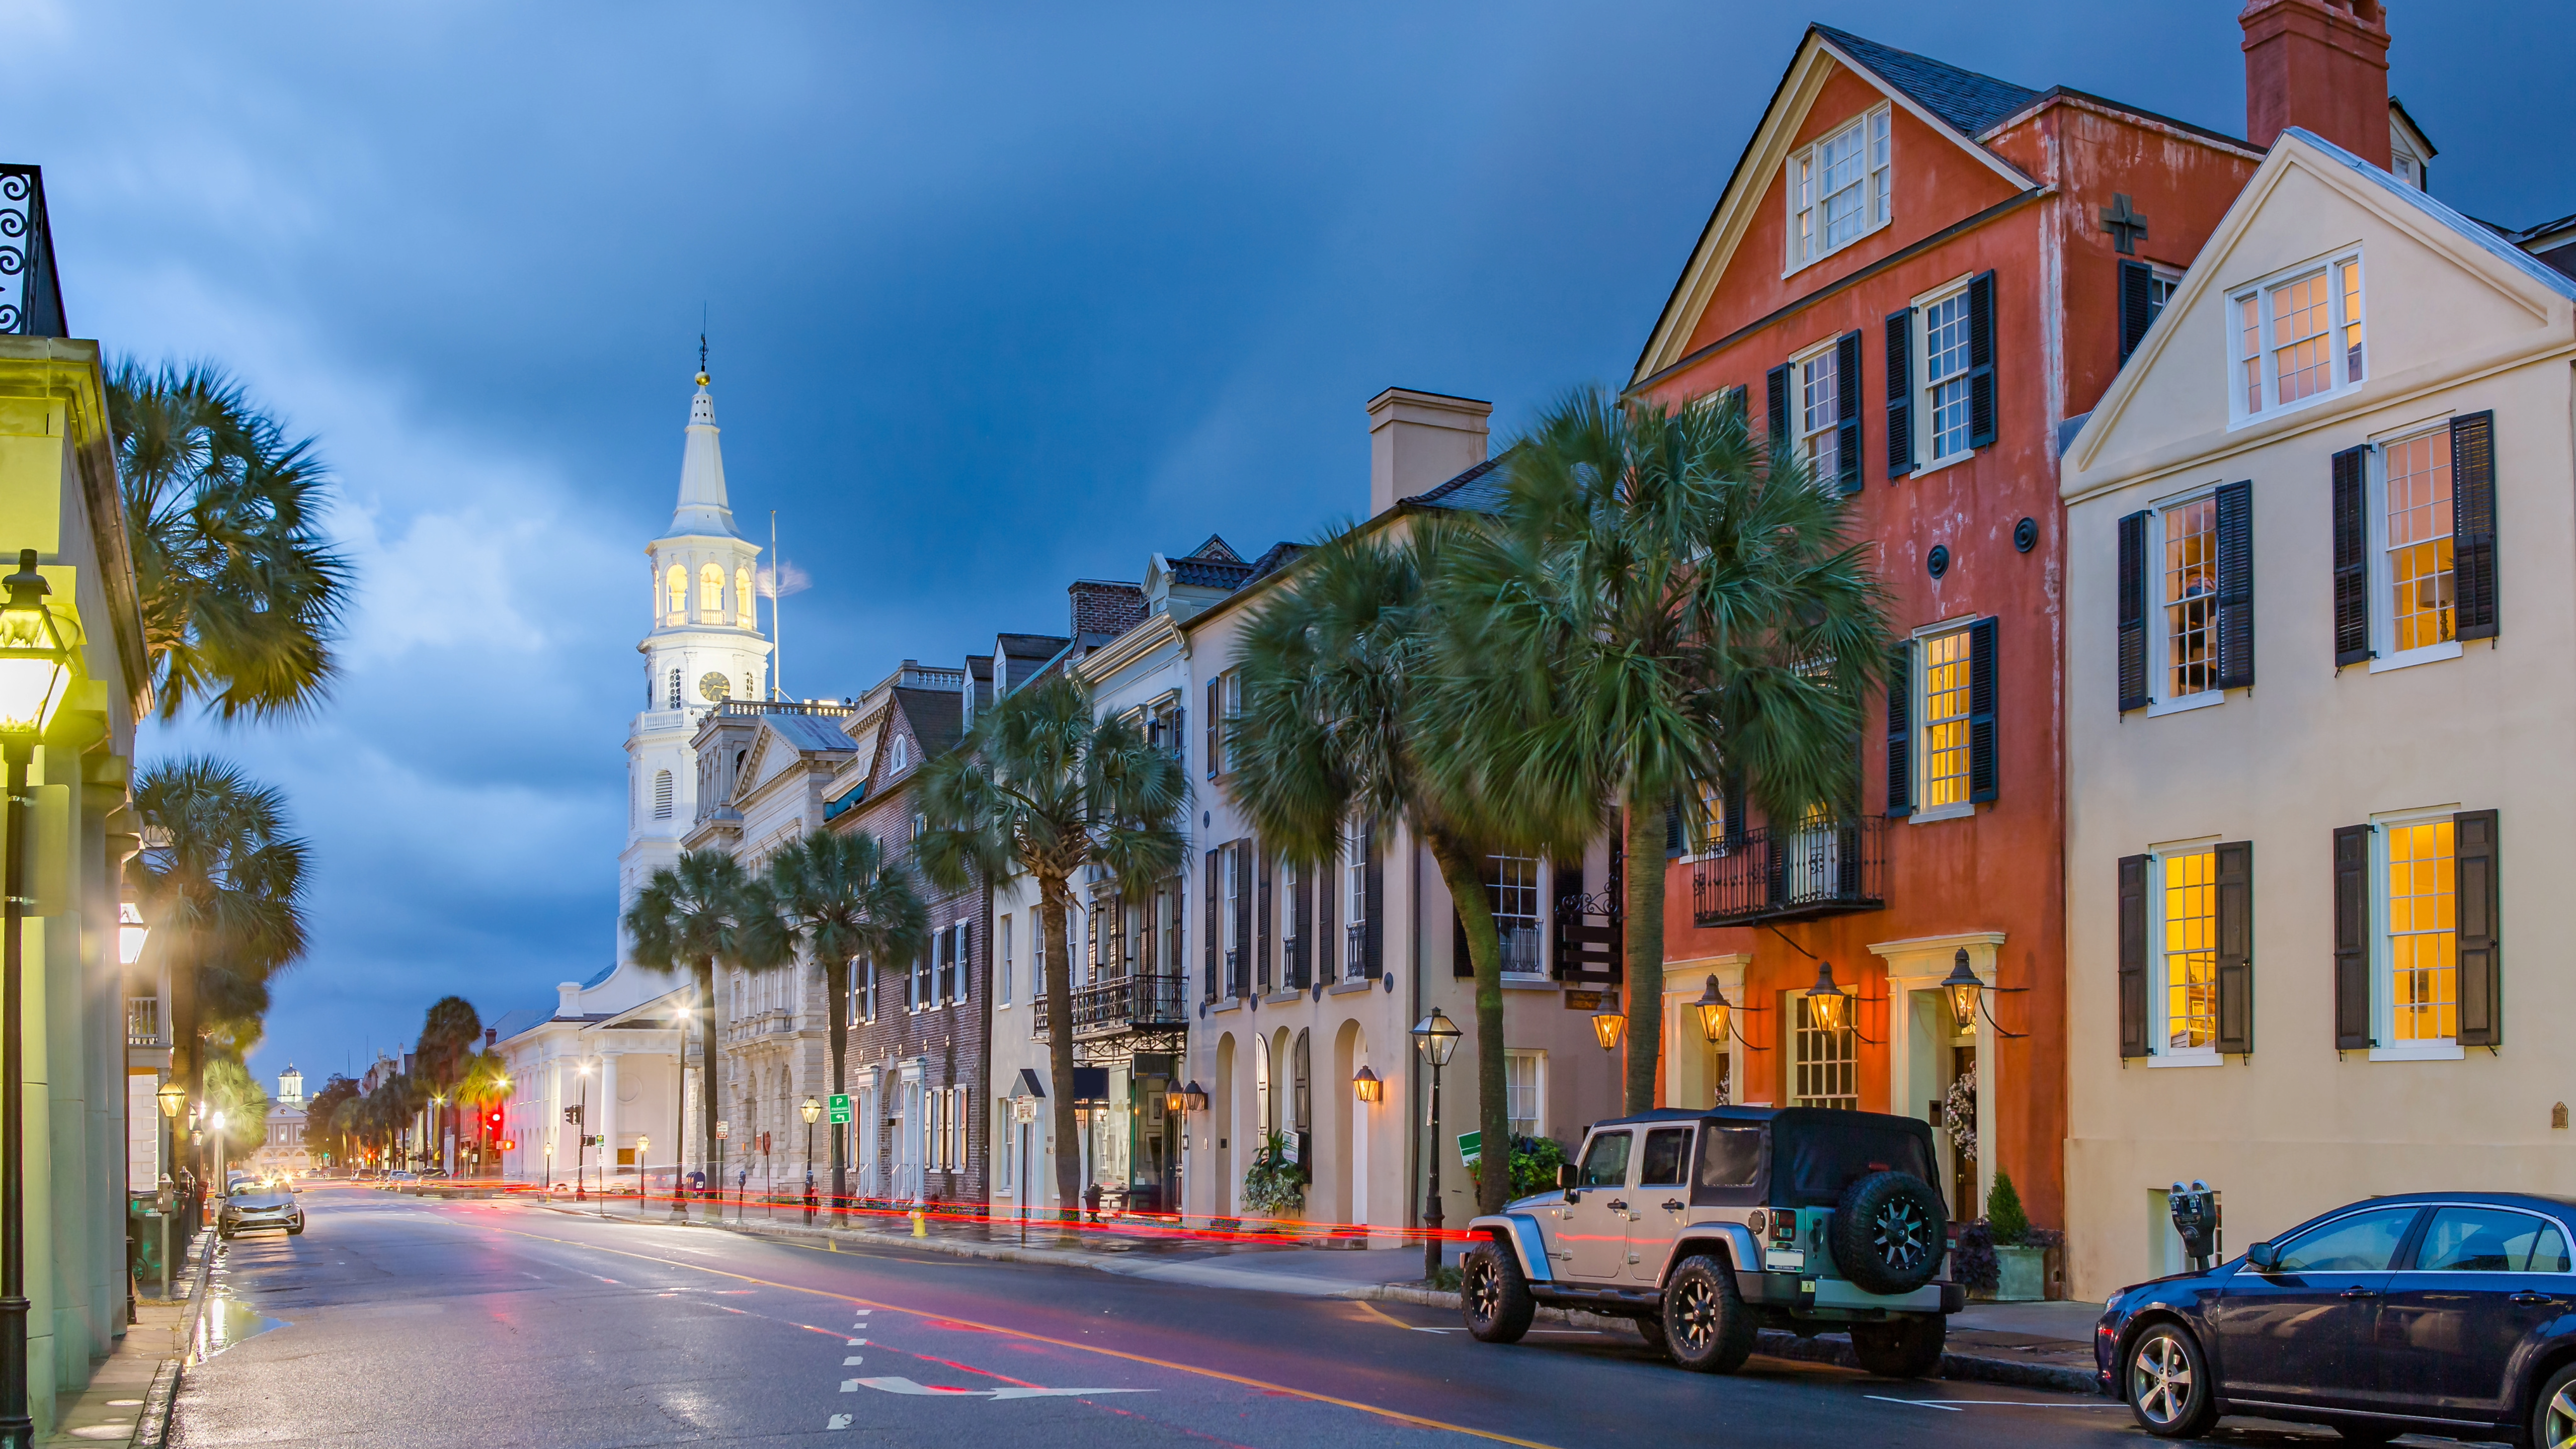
<point x="1676" y="838"/>
<point x="2137" y="304"/>
<point x="2236" y="947"/>
<point x="2473" y="524"/>
<point x="2352" y="938"/>
<point x="1328" y="896"/>
<point x="1981" y="360"/>
<point x="1847" y="409"/>
<point x="1735" y="397"/>
<point x="1214" y="867"/>
<point x="2351" y="559"/>
<point x="1900" y="394"/>
<point x="2236" y="586"/>
<point x="2133" y="613"/>
<point x="2473" y="863"/>
<point x="1776" y="388"/>
<point x="2133" y="955"/>
<point x="1731" y="799"/>
<point x="1215" y="726"/>
<point x="1301" y="972"/>
<point x="1269" y="866"/>
<point x="1238" y="979"/>
<point x="1981" y="710"/>
<point x="1565" y="889"/>
<point x="1900" y="737"/>
<point x="1373" y="904"/>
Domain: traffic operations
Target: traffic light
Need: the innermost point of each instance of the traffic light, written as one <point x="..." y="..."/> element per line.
<point x="572" y="1114"/>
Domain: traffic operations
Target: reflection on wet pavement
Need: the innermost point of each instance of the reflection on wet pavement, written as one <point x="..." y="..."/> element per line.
<point x="227" y="1322"/>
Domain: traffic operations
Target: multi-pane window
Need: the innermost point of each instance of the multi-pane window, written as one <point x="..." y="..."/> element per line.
<point x="1511" y="883"/>
<point x="1945" y="719"/>
<point x="2297" y="338"/>
<point x="1827" y="1064"/>
<point x="2418" y="521"/>
<point x="2191" y="597"/>
<point x="1227" y="919"/>
<point x="1820" y="414"/>
<point x="1945" y="373"/>
<point x="1840" y="188"/>
<point x="1355" y="847"/>
<point x="2190" y="946"/>
<point x="1524" y="1092"/>
<point x="2423" y="933"/>
<point x="1002" y="948"/>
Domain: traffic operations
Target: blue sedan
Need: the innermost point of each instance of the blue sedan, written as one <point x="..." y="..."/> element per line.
<point x="2437" y="1313"/>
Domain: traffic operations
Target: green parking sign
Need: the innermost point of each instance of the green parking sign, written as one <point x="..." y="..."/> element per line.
<point x="1471" y="1147"/>
<point x="840" y="1108"/>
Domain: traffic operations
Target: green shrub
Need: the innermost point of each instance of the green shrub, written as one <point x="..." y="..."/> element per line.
<point x="1273" y="1185"/>
<point x="2004" y="1213"/>
<point x="1534" y="1164"/>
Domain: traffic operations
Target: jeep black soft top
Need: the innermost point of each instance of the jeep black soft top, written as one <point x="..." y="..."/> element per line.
<point x="1792" y="1156"/>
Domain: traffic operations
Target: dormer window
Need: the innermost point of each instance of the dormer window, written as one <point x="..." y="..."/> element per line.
<point x="1840" y="188"/>
<point x="898" y="755"/>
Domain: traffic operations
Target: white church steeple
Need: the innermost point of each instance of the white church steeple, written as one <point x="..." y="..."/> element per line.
<point x="704" y="647"/>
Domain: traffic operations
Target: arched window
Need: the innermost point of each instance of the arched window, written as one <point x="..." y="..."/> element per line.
<point x="711" y="591"/>
<point x="675" y="690"/>
<point x="745" y="612"/>
<point x="902" y="755"/>
<point x="677" y="582"/>
<point x="662" y="795"/>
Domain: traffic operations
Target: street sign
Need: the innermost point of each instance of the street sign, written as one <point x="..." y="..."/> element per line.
<point x="1471" y="1147"/>
<point x="840" y="1109"/>
<point x="723" y="1130"/>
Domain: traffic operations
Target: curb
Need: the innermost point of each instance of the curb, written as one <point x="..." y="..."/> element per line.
<point x="1834" y="1348"/>
<point x="161" y="1401"/>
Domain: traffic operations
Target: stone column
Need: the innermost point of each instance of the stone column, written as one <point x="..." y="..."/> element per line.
<point x="607" y="1116"/>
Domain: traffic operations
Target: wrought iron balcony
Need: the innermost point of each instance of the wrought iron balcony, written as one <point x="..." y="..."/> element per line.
<point x="31" y="297"/>
<point x="1120" y="1005"/>
<point x="1769" y="873"/>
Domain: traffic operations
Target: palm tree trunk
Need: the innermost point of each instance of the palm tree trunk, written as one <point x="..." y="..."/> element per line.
<point x="1056" y="982"/>
<point x="1463" y="873"/>
<point x="1644" y="920"/>
<point x="706" y="1072"/>
<point x="836" y="984"/>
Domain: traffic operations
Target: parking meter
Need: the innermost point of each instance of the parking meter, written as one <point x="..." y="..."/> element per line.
<point x="2196" y="1221"/>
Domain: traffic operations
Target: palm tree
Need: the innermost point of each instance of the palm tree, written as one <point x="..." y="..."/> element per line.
<point x="242" y="593"/>
<point x="1667" y="606"/>
<point x="222" y="883"/>
<point x="1044" y="786"/>
<point x="1335" y="729"/>
<point x="702" y="909"/>
<point x="485" y="1080"/>
<point x="842" y="900"/>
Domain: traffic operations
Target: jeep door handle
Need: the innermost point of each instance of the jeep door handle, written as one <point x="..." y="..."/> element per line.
<point x="2358" y="1292"/>
<point x="1616" y="1206"/>
<point x="2529" y="1299"/>
<point x="1673" y="1205"/>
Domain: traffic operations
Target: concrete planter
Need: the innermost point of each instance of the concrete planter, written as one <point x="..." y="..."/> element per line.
<point x="2023" y="1277"/>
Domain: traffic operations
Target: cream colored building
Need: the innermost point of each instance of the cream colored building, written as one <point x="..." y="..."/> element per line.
<point x="2340" y="462"/>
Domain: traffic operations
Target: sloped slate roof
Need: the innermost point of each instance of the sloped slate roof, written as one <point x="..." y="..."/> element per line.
<point x="813" y="732"/>
<point x="938" y="718"/>
<point x="1966" y="101"/>
<point x="1478" y="490"/>
<point x="1279" y="556"/>
<point x="1209" y="573"/>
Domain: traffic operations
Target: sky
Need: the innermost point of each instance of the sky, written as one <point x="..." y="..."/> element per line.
<point x="996" y="297"/>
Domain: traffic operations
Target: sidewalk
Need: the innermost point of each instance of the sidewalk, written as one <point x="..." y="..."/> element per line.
<point x="129" y="1395"/>
<point x="2031" y="1345"/>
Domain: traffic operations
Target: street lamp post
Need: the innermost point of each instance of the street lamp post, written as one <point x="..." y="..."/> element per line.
<point x="172" y="1097"/>
<point x="581" y="1139"/>
<point x="810" y="1110"/>
<point x="643" y="1171"/>
<point x="35" y="674"/>
<point x="1437" y="1036"/>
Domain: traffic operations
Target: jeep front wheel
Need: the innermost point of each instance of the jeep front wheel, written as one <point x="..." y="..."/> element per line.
<point x="1707" y="1328"/>
<point x="1494" y="1294"/>
<point x="1901" y="1348"/>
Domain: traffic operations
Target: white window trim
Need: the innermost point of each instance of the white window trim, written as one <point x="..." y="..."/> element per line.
<point x="1957" y="809"/>
<point x="1716" y="841"/>
<point x="2273" y="407"/>
<point x="2160" y="654"/>
<point x="1919" y="367"/>
<point x="2383" y="617"/>
<point x="1537" y="1055"/>
<point x="2383" y="996"/>
<point x="1805" y="155"/>
<point x="1002" y="933"/>
<point x="2159" y="1029"/>
<point x="1798" y="431"/>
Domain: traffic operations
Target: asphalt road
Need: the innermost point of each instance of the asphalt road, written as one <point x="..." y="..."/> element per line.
<point x="398" y="1321"/>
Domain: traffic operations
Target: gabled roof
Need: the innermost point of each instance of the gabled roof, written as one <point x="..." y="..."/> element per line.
<point x="1966" y="101"/>
<point x="1478" y="490"/>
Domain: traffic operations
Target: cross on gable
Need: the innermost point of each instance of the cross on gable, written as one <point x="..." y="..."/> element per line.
<point x="2126" y="224"/>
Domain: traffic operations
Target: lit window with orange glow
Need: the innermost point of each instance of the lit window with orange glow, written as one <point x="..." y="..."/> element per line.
<point x="677" y="582"/>
<point x="711" y="591"/>
<point x="744" y="613"/>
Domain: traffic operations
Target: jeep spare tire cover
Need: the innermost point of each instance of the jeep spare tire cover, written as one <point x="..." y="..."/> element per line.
<point x="1889" y="1232"/>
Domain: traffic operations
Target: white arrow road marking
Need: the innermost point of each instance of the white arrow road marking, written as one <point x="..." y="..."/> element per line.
<point x="839" y="1421"/>
<point x="907" y="1386"/>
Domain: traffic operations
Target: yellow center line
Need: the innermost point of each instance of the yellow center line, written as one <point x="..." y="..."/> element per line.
<point x="1380" y="1314"/>
<point x="1251" y="1383"/>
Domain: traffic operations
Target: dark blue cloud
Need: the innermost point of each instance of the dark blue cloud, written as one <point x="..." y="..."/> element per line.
<point x="999" y="296"/>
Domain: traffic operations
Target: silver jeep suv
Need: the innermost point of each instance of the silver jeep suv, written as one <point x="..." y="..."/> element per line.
<point x="1705" y="1226"/>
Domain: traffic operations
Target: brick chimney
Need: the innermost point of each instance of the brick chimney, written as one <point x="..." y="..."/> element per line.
<point x="1420" y="440"/>
<point x="2321" y="64"/>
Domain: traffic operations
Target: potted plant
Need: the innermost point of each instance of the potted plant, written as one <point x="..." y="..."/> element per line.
<point x="1274" y="1186"/>
<point x="2020" y="1250"/>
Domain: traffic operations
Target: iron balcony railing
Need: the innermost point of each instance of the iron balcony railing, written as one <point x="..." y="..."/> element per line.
<point x="1769" y="873"/>
<point x="31" y="296"/>
<point x="1121" y="1005"/>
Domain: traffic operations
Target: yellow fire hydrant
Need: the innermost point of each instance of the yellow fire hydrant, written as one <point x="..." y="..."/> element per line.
<point x="920" y="1226"/>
